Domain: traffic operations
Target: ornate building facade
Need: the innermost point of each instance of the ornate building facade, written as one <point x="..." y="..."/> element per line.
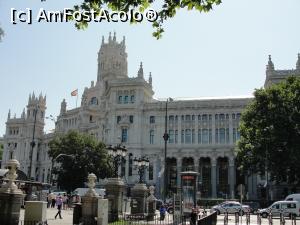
<point x="117" y="108"/>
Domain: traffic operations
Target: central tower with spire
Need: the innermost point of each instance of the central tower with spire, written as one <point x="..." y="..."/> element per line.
<point x="112" y="59"/>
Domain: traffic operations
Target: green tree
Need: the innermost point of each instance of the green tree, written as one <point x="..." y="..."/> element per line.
<point x="270" y="132"/>
<point x="83" y="154"/>
<point x="165" y="9"/>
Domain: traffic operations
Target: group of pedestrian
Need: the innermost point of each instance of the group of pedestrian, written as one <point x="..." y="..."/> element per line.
<point x="61" y="201"/>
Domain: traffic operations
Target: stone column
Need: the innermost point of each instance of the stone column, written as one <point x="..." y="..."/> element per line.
<point x="151" y="204"/>
<point x="231" y="177"/>
<point x="214" y="177"/>
<point x="178" y="170"/>
<point x="196" y="163"/>
<point x="139" y="195"/>
<point x="115" y="191"/>
<point x="90" y="201"/>
<point x="10" y="196"/>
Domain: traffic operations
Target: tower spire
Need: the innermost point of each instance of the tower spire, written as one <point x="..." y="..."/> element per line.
<point x="141" y="71"/>
<point x="8" y="115"/>
<point x="150" y="79"/>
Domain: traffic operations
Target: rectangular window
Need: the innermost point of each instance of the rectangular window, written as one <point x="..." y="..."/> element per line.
<point x="227" y="135"/>
<point x="233" y="116"/>
<point x="193" y="117"/>
<point x="171" y="118"/>
<point x="124" y="135"/>
<point x="131" y="119"/>
<point x="176" y="136"/>
<point x="132" y="98"/>
<point x="204" y="117"/>
<point x="210" y="136"/>
<point x="118" y="119"/>
<point x="188" y="138"/>
<point x="209" y="117"/>
<point x="171" y="136"/>
<point x="222" y="117"/>
<point x="187" y="117"/>
<point x="182" y="136"/>
<point x="120" y="99"/>
<point x="217" y="136"/>
<point x="199" y="136"/>
<point x="176" y="118"/>
<point x="182" y="117"/>
<point x="222" y="135"/>
<point x="204" y="136"/>
<point x="151" y="136"/>
<point x="234" y="135"/>
<point x="152" y="119"/>
<point x="193" y="136"/>
<point x="126" y="99"/>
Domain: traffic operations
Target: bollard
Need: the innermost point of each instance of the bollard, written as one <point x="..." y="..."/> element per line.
<point x="258" y="219"/>
<point x="248" y="218"/>
<point x="77" y="213"/>
<point x="282" y="219"/>
<point x="270" y="218"/>
<point x="237" y="217"/>
<point x="225" y="217"/>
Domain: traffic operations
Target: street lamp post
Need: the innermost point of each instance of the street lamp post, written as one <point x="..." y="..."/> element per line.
<point x="166" y="138"/>
<point x="142" y="164"/>
<point x="118" y="154"/>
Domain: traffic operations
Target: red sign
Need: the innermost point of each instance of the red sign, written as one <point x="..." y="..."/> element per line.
<point x="188" y="177"/>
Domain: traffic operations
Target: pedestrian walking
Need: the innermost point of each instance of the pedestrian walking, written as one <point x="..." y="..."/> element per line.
<point x="162" y="212"/>
<point x="52" y="199"/>
<point x="59" y="203"/>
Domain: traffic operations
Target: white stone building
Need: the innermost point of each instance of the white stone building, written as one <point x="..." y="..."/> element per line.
<point x="202" y="132"/>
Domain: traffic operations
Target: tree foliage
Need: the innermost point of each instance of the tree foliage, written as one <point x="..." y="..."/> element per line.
<point x="167" y="9"/>
<point x="270" y="132"/>
<point x="84" y="154"/>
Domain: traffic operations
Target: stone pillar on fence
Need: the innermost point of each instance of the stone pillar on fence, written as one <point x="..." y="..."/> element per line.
<point x="102" y="212"/>
<point x="139" y="194"/>
<point x="151" y="204"/>
<point x="115" y="191"/>
<point x="10" y="196"/>
<point x="90" y="202"/>
<point x="35" y="212"/>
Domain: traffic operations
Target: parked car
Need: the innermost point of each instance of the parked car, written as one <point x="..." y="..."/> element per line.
<point x="230" y="207"/>
<point x="289" y="208"/>
<point x="254" y="206"/>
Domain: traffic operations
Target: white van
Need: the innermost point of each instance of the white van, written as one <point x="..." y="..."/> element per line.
<point x="293" y="197"/>
<point x="288" y="207"/>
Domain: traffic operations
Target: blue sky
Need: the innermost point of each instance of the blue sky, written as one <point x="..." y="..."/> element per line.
<point x="221" y="53"/>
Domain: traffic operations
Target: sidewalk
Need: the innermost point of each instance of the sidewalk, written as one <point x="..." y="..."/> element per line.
<point x="67" y="217"/>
